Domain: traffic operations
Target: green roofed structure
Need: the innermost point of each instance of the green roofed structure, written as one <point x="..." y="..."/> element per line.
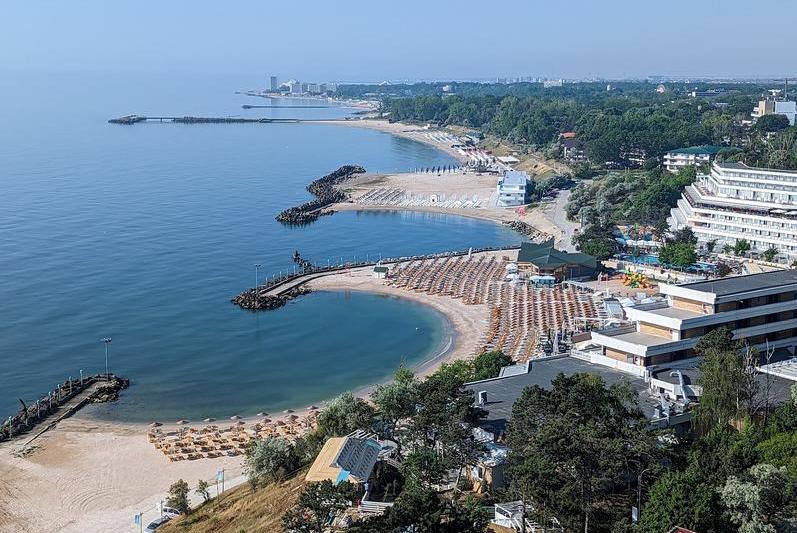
<point x="675" y="160"/>
<point x="545" y="260"/>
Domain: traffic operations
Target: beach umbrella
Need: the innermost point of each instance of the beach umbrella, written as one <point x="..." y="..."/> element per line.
<point x="155" y="424"/>
<point x="293" y="417"/>
<point x="280" y="423"/>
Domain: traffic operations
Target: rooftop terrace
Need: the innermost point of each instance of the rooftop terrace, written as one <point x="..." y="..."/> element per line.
<point x="741" y="284"/>
<point x="503" y="392"/>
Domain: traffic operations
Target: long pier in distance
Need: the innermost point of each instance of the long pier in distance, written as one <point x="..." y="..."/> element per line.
<point x="136" y="119"/>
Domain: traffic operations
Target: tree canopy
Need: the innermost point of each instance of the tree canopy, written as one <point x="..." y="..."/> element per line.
<point x="345" y="414"/>
<point x="574" y="449"/>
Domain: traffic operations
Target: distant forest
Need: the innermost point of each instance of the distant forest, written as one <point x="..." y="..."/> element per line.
<point x="630" y="117"/>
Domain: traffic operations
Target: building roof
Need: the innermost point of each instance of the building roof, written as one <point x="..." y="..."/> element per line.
<point x="503" y="392"/>
<point x="350" y="458"/>
<point x="773" y="386"/>
<point x="358" y="456"/>
<point x="323" y="467"/>
<point x="572" y="143"/>
<point x="545" y="255"/>
<point x="710" y="149"/>
<point x="742" y="166"/>
<point x="740" y="284"/>
<point x="515" y="177"/>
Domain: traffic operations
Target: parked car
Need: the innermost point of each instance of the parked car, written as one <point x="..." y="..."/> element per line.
<point x="155" y="524"/>
<point x="171" y="512"/>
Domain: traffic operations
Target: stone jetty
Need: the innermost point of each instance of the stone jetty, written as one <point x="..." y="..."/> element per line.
<point x="258" y="299"/>
<point x="63" y="401"/>
<point x="303" y="263"/>
<point x="524" y="228"/>
<point x="326" y="193"/>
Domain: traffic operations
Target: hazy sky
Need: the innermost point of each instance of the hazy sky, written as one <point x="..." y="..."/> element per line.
<point x="403" y="39"/>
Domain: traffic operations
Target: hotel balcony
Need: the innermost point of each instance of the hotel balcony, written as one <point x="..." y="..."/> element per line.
<point x="628" y="340"/>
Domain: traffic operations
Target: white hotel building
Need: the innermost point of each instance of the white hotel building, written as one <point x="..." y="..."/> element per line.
<point x="739" y="202"/>
<point x="760" y="309"/>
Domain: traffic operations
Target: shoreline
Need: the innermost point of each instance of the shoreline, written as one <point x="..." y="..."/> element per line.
<point x="399" y="129"/>
<point x="57" y="486"/>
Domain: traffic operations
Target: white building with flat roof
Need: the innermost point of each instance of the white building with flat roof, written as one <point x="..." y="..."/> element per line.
<point x="760" y="309"/>
<point x="736" y="202"/>
<point x="513" y="188"/>
<point x="697" y="156"/>
<point x="776" y="106"/>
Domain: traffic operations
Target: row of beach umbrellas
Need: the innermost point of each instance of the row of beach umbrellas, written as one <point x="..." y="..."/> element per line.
<point x="239" y="419"/>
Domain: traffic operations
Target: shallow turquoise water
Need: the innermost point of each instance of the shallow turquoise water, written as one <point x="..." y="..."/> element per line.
<point x="144" y="232"/>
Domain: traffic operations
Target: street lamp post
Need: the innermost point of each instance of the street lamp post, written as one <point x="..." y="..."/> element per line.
<point x="257" y="266"/>
<point x="639" y="493"/>
<point x="106" y="341"/>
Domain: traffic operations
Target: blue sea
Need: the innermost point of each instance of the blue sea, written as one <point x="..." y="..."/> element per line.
<point x="143" y="234"/>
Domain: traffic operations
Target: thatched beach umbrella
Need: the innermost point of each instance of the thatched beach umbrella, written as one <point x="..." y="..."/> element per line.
<point x="280" y="423"/>
<point x="293" y="417"/>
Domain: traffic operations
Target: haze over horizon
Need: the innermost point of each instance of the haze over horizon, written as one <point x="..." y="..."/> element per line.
<point x="359" y="41"/>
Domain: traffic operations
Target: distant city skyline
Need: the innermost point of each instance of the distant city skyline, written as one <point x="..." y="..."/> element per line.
<point x="364" y="42"/>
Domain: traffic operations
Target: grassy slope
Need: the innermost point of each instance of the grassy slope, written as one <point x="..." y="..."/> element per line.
<point x="242" y="511"/>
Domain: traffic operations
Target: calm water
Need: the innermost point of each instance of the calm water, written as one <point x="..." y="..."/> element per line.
<point x="144" y="232"/>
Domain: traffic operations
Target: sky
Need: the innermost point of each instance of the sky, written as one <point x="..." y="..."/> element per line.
<point x="361" y="41"/>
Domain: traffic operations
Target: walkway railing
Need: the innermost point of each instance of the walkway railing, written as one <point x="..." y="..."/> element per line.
<point x="283" y="279"/>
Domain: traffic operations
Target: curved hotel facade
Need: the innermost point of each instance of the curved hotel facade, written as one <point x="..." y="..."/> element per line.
<point x="737" y="202"/>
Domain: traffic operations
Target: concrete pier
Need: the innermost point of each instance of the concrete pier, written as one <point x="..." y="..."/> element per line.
<point x="62" y="402"/>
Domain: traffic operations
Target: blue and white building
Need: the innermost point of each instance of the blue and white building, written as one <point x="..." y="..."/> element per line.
<point x="513" y="188"/>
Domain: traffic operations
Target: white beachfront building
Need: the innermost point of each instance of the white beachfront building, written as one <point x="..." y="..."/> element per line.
<point x="736" y="202"/>
<point x="513" y="188"/>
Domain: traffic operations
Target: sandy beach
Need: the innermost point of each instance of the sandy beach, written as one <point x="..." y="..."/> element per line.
<point x="86" y="475"/>
<point x="454" y="184"/>
<point x="407" y="131"/>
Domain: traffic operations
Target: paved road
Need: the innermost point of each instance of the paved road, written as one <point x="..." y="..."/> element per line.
<point x="555" y="211"/>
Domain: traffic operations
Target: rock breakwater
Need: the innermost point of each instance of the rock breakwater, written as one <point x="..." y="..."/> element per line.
<point x="326" y="193"/>
<point x="524" y="228"/>
<point x="257" y="299"/>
